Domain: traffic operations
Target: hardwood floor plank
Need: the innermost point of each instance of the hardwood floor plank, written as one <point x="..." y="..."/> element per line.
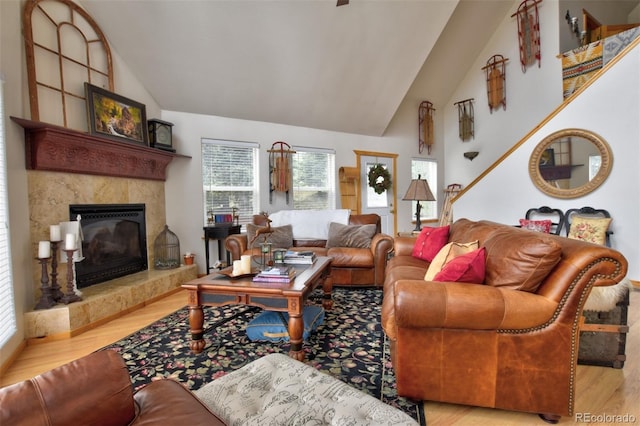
<point x="599" y="390"/>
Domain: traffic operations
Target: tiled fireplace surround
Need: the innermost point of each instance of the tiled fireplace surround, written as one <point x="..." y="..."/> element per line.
<point x="50" y="193"/>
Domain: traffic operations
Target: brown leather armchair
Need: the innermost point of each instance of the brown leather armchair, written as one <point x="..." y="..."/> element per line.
<point x="349" y="266"/>
<point x="487" y="345"/>
<point x="96" y="390"/>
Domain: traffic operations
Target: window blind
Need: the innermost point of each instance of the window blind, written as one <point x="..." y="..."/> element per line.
<point x="229" y="177"/>
<point x="7" y="309"/>
<point x="314" y="179"/>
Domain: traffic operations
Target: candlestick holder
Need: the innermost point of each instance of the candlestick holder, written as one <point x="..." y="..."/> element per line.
<point x="56" y="293"/>
<point x="70" y="296"/>
<point x="46" y="301"/>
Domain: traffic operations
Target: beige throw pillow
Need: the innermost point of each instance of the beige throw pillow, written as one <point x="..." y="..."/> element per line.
<point x="281" y="237"/>
<point x="591" y="230"/>
<point x="358" y="236"/>
<point x="447" y="253"/>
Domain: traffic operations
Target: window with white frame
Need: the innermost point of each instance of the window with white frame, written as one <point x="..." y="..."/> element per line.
<point x="314" y="179"/>
<point x="427" y="169"/>
<point x="7" y="310"/>
<point x="229" y="178"/>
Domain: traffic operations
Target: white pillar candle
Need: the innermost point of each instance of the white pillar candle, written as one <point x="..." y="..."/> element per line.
<point x="44" y="249"/>
<point x="246" y="263"/>
<point x="54" y="233"/>
<point x="70" y="242"/>
<point x="237" y="267"/>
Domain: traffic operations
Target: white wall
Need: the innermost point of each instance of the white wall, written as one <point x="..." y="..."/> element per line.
<point x="530" y="97"/>
<point x="610" y="108"/>
<point x="507" y="193"/>
<point x="184" y="189"/>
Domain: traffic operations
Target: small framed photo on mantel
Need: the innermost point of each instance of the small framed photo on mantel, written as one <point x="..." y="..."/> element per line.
<point x="115" y="117"/>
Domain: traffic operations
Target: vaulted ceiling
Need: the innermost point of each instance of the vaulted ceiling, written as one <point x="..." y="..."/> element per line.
<point x="298" y="62"/>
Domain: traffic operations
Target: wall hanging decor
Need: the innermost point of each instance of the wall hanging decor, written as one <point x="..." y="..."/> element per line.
<point x="280" y="169"/>
<point x="496" y="82"/>
<point x="470" y="155"/>
<point x="379" y="178"/>
<point x="425" y="126"/>
<point x="465" y="119"/>
<point x="528" y="33"/>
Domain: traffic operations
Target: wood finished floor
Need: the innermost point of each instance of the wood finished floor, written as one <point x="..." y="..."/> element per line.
<point x="599" y="390"/>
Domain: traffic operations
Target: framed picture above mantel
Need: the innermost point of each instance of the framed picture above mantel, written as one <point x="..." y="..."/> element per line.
<point x="116" y="117"/>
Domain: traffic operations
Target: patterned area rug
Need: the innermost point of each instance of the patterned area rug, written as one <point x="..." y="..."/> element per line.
<point x="350" y="345"/>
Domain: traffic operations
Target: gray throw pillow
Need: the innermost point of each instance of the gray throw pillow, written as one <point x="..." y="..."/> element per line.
<point x="358" y="236"/>
<point x="281" y="237"/>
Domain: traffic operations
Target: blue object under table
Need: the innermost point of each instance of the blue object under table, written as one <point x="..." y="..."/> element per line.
<point x="273" y="326"/>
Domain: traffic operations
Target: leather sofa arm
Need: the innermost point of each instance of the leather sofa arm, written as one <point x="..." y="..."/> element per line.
<point x="236" y="244"/>
<point x="166" y="400"/>
<point x="403" y="246"/>
<point x="85" y="391"/>
<point x="381" y="247"/>
<point x="420" y="304"/>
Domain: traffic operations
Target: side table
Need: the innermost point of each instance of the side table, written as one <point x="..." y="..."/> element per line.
<point x="218" y="232"/>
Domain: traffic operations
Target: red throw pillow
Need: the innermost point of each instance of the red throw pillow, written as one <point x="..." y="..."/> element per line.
<point x="536" y="225"/>
<point x="468" y="268"/>
<point x="429" y="242"/>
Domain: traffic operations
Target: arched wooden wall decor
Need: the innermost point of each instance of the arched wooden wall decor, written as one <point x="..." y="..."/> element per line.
<point x="496" y="82"/>
<point x="425" y="126"/>
<point x="65" y="48"/>
<point x="528" y="33"/>
<point x="465" y="119"/>
<point x="280" y="169"/>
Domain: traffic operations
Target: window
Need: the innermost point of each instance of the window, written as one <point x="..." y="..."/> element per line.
<point x="229" y="171"/>
<point x="314" y="180"/>
<point x="427" y="169"/>
<point x="7" y="312"/>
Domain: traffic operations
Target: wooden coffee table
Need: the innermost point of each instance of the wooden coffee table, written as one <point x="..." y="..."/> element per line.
<point x="218" y="290"/>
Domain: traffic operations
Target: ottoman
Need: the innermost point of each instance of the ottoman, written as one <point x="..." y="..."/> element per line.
<point x="276" y="389"/>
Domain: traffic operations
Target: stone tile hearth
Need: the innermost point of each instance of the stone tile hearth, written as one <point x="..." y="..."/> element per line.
<point x="105" y="301"/>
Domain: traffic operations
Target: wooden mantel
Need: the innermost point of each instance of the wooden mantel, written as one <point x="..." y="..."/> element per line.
<point x="58" y="149"/>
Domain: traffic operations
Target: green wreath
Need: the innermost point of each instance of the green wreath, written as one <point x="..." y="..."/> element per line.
<point x="379" y="178"/>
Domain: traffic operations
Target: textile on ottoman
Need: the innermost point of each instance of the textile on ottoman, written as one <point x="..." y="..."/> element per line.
<point x="276" y="389"/>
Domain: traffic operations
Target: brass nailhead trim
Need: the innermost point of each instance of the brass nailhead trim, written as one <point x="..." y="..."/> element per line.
<point x="576" y="319"/>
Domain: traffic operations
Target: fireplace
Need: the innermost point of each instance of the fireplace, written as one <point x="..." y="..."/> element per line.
<point x="114" y="241"/>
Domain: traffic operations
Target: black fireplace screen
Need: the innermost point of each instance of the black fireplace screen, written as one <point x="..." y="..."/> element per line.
<point x="114" y="241"/>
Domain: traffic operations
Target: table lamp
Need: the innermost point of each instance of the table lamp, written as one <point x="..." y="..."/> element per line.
<point x="418" y="191"/>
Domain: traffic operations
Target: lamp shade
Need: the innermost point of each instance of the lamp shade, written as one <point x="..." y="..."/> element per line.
<point x="419" y="191"/>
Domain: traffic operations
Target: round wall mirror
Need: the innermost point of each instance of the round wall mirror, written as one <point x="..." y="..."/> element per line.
<point x="570" y="163"/>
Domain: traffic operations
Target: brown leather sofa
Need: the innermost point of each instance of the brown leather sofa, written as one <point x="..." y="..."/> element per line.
<point x="349" y="265"/>
<point x="96" y="390"/>
<point x="494" y="346"/>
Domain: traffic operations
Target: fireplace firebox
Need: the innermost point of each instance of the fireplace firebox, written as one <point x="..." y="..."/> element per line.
<point x="114" y="241"/>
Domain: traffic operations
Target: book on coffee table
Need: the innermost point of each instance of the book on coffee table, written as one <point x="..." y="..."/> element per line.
<point x="276" y="274"/>
<point x="299" y="257"/>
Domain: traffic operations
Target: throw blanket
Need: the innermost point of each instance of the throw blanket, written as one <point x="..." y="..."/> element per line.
<point x="309" y="224"/>
<point x="604" y="299"/>
<point x="578" y="65"/>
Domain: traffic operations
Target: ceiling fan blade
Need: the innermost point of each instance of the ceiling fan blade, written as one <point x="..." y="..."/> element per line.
<point x="342" y="2"/>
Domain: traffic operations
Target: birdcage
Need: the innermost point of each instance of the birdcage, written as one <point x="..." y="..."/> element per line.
<point x="166" y="250"/>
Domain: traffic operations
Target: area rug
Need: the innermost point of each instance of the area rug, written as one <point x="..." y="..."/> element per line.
<point x="349" y="345"/>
